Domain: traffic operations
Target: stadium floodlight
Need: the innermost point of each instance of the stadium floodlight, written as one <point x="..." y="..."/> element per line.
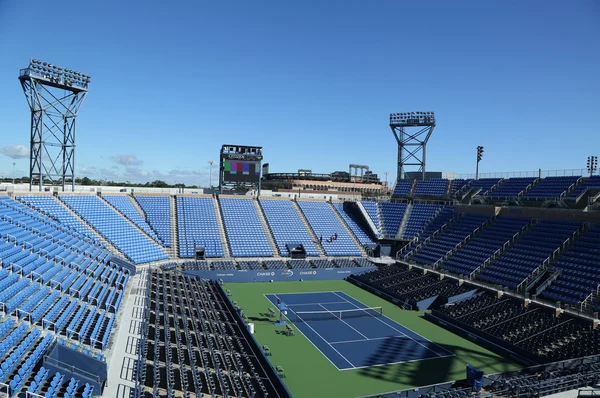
<point x="479" y="157"/>
<point x="54" y="95"/>
<point x="412" y="131"/>
<point x="592" y="164"/>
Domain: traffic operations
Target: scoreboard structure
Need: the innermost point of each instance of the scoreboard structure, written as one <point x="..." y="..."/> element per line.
<point x="240" y="167"/>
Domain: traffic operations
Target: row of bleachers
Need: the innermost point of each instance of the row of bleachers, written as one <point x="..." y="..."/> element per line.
<point x="485" y="185"/>
<point x="49" y="206"/>
<point x="247" y="237"/>
<point x="439" y="246"/>
<point x="325" y="224"/>
<point x="513" y="187"/>
<point x="197" y="226"/>
<point x="459" y="185"/>
<point x="158" y="214"/>
<point x="593" y="182"/>
<point x="196" y="346"/>
<point x="535" y="329"/>
<point x="372" y="210"/>
<point x="529" y="252"/>
<point x="432" y="188"/>
<point x="444" y="216"/>
<point x="131" y="242"/>
<point x="356" y="229"/>
<point x="403" y="188"/>
<point x="287" y="226"/>
<point x="409" y="286"/>
<point x="125" y="207"/>
<point x="391" y="217"/>
<point x="551" y="188"/>
<point x="580" y="270"/>
<point x="200" y="265"/>
<point x="419" y="216"/>
<point x="485" y="244"/>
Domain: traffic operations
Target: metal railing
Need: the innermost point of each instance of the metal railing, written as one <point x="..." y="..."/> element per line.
<point x="532" y="173"/>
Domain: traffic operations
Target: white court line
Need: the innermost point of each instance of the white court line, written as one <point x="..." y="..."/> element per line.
<point x="399" y="331"/>
<point x="335" y="302"/>
<point x="305" y="336"/>
<point x="340" y="319"/>
<point x="356" y="341"/>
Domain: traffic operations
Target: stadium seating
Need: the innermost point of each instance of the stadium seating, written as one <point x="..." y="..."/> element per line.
<point x="484" y="186"/>
<point x="580" y="270"/>
<point x="419" y="216"/>
<point x="459" y="185"/>
<point x="325" y="224"/>
<point x="534" y="329"/>
<point x="356" y="229"/>
<point x="131" y="242"/>
<point x="403" y="188"/>
<point x="125" y="207"/>
<point x="432" y="188"/>
<point x="205" y="351"/>
<point x="529" y="252"/>
<point x="372" y="210"/>
<point x="551" y="188"/>
<point x="51" y="279"/>
<point x="197" y="226"/>
<point x="592" y="182"/>
<point x="437" y="248"/>
<point x="485" y="244"/>
<point x="158" y="214"/>
<point x="513" y="187"/>
<point x="247" y="237"/>
<point x="49" y="206"/>
<point x="391" y="217"/>
<point x="287" y="226"/>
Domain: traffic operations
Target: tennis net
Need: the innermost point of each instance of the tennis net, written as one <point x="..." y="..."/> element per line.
<point x="304" y="316"/>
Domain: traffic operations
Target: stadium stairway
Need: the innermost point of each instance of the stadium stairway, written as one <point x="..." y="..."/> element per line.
<point x="348" y="229"/>
<point x="314" y="238"/>
<point x="410" y="251"/>
<point x="221" y="225"/>
<point x="174" y="250"/>
<point x="374" y="228"/>
<point x="97" y="234"/>
<point x="133" y="225"/>
<point x="266" y="227"/>
<point x="541" y="273"/>
<point x="402" y="228"/>
<point x="507" y="245"/>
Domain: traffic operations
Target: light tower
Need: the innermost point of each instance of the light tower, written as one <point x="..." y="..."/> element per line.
<point x="54" y="95"/>
<point x="479" y="157"/>
<point x="412" y="131"/>
<point x="592" y="164"/>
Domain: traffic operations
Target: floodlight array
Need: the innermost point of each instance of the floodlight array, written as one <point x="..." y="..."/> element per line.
<point x="58" y="74"/>
<point x="592" y="164"/>
<point x="425" y="118"/>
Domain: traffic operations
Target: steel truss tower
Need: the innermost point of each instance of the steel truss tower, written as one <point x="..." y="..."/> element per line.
<point x="412" y="131"/>
<point x="54" y="95"/>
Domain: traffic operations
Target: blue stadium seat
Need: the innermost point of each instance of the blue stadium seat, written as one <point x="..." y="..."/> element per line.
<point x="197" y="226"/>
<point x="287" y="226"/>
<point x="325" y="223"/>
<point x="247" y="237"/>
<point x="158" y="215"/>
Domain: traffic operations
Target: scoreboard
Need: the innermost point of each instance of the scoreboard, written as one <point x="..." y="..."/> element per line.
<point x="241" y="171"/>
<point x="240" y="167"/>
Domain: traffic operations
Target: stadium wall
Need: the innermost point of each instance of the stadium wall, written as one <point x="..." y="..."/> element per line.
<point x="279" y="275"/>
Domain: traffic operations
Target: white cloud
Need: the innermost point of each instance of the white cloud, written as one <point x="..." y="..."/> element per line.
<point x="15" y="151"/>
<point x="127" y="160"/>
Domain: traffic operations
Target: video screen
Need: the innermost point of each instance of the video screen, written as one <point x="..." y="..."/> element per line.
<point x="241" y="171"/>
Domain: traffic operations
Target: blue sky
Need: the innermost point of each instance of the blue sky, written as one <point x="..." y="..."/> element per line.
<point x="313" y="82"/>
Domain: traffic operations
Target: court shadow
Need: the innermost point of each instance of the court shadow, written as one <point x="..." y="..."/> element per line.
<point x="426" y="371"/>
<point x="261" y="319"/>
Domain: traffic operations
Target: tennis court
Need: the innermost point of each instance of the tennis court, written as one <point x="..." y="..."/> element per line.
<point x="350" y="334"/>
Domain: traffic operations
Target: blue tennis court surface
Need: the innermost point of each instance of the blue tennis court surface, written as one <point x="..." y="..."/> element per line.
<point x="356" y="341"/>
